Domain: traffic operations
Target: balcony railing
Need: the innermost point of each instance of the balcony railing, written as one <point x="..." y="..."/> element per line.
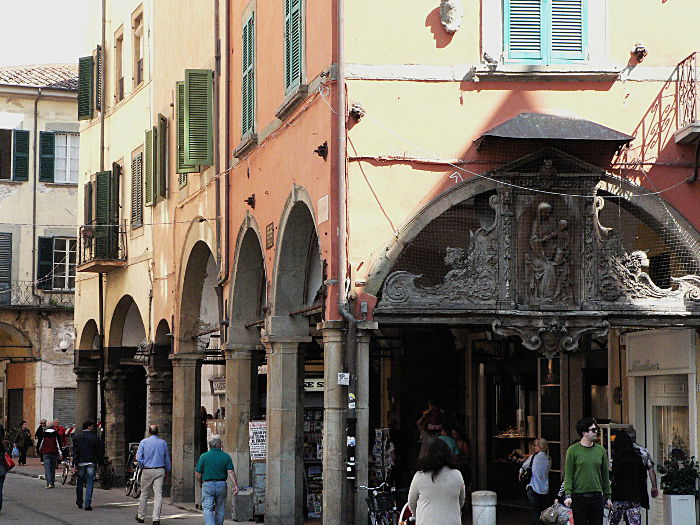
<point x="687" y="91"/>
<point x="22" y="294"/>
<point x="101" y="247"/>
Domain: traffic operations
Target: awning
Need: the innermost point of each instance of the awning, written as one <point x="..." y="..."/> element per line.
<point x="542" y="126"/>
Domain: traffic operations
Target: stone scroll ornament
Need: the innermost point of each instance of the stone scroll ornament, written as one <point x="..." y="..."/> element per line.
<point x="451" y="13"/>
<point x="471" y="280"/>
<point x="550" y="336"/>
<point x="622" y="280"/>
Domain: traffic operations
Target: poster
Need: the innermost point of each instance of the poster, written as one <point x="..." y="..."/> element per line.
<point x="257" y="430"/>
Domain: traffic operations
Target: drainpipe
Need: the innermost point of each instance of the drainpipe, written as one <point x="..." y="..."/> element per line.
<point x="343" y="283"/>
<point x="100" y="284"/>
<point x="34" y="176"/>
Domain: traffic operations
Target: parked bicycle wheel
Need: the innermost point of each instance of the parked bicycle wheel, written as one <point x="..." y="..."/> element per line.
<point x="107" y="476"/>
<point x="64" y="475"/>
<point x="129" y="486"/>
<point x="136" y="490"/>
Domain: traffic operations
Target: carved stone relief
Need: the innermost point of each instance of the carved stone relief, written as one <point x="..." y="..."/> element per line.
<point x="451" y="13"/>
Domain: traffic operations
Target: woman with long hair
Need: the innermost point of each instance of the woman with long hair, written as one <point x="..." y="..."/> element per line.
<point x="629" y="482"/>
<point x="537" y="488"/>
<point x="437" y="491"/>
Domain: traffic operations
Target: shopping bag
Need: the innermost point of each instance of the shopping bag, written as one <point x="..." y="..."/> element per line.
<point x="9" y="464"/>
<point x="15" y="452"/>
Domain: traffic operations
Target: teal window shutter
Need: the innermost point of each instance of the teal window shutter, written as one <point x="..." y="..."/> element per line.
<point x="47" y="147"/>
<point x="182" y="167"/>
<point x="545" y="31"/>
<point x="569" y="31"/>
<point x="522" y="29"/>
<point x="5" y="266"/>
<point x="248" y="79"/>
<point x="199" y="93"/>
<point x="20" y="147"/>
<point x="85" y="88"/>
<point x="149" y="168"/>
<point x="44" y="270"/>
<point x="162" y="158"/>
<point x="293" y="43"/>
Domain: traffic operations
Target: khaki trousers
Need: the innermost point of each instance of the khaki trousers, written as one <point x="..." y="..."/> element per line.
<point x="151" y="484"/>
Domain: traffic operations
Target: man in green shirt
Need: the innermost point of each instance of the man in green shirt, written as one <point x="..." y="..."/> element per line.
<point x="213" y="469"/>
<point x="586" y="476"/>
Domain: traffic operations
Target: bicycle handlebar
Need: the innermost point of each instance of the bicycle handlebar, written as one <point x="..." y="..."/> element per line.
<point x="383" y="484"/>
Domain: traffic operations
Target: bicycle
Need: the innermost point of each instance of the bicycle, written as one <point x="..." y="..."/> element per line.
<point x="133" y="471"/>
<point x="105" y="474"/>
<point x="381" y="503"/>
<point x="67" y="474"/>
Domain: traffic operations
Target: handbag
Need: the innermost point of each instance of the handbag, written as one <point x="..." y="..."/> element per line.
<point x="557" y="514"/>
<point x="9" y="464"/>
<point x="15" y="452"/>
<point x="526" y="475"/>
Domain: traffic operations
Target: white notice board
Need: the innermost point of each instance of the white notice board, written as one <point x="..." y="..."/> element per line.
<point x="257" y="430"/>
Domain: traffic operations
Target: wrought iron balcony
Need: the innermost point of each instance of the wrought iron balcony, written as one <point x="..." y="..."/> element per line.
<point x="688" y="126"/>
<point x="101" y="247"/>
<point x="21" y="294"/>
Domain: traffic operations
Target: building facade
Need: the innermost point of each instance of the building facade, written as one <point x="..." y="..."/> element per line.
<point x="38" y="190"/>
<point x="489" y="205"/>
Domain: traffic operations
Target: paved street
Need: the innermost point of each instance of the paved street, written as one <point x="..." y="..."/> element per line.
<point x="25" y="500"/>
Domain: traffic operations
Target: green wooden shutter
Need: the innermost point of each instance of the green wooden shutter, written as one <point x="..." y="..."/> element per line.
<point x="20" y="164"/>
<point x="199" y="92"/>
<point x="522" y="29"/>
<point x="85" y="88"/>
<point x="99" y="78"/>
<point x="114" y="195"/>
<point x="5" y="267"/>
<point x="182" y="166"/>
<point x="47" y="147"/>
<point x="293" y="43"/>
<point x="87" y="203"/>
<point x="569" y="33"/>
<point x="44" y="266"/>
<point x="248" y="79"/>
<point x="162" y="158"/>
<point x="137" y="191"/>
<point x="105" y="245"/>
<point x="149" y="168"/>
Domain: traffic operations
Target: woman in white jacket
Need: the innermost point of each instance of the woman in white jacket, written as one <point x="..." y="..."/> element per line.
<point x="437" y="491"/>
<point x="538" y="487"/>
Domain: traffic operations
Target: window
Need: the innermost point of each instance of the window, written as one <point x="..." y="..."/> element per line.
<point x="137" y="39"/>
<point x="118" y="65"/>
<point x="545" y="31"/>
<point x="14" y="154"/>
<point x="66" y="157"/>
<point x="248" y="80"/>
<point x="63" y="263"/>
<point x="293" y="43"/>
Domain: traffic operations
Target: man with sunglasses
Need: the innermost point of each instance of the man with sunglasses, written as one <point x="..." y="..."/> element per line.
<point x="586" y="476"/>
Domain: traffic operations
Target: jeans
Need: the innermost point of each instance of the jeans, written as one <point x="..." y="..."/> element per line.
<point x="2" y="482"/>
<point x="588" y="510"/>
<point x="538" y="502"/>
<point x="86" y="475"/>
<point x="214" y="502"/>
<point x="50" y="468"/>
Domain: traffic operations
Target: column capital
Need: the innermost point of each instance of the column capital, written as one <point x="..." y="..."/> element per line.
<point x="285" y="339"/>
<point x="330" y="325"/>
<point x="367" y="325"/>
<point x="85" y="373"/>
<point x="185" y="359"/>
<point x="238" y="350"/>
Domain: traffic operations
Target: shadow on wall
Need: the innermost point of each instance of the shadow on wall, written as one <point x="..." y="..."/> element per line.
<point x="442" y="37"/>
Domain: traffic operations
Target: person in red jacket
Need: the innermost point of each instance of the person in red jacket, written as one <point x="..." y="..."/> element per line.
<point x="61" y="433"/>
<point x="51" y="452"/>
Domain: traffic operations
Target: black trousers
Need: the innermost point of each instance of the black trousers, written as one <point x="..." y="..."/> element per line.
<point x="538" y="502"/>
<point x="588" y="509"/>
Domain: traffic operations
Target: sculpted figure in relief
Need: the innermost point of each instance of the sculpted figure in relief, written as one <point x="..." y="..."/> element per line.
<point x="548" y="259"/>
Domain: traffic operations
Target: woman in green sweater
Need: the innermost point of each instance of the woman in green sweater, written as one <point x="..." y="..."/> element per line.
<point x="586" y="476"/>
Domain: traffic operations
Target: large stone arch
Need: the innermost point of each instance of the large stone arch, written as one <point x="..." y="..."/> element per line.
<point x="127" y="327"/>
<point x="87" y="336"/>
<point x="297" y="274"/>
<point x="634" y="198"/>
<point x="249" y="290"/>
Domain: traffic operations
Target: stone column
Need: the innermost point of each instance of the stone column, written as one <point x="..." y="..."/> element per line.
<point x="160" y="400"/>
<point x="335" y="400"/>
<point x="86" y="394"/>
<point x="240" y="379"/>
<point x="364" y="438"/>
<point x="285" y="389"/>
<point x="185" y="420"/>
<point x="115" y="438"/>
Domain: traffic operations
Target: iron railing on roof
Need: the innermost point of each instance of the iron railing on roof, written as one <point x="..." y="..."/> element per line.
<point x="22" y="294"/>
<point x="687" y="91"/>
